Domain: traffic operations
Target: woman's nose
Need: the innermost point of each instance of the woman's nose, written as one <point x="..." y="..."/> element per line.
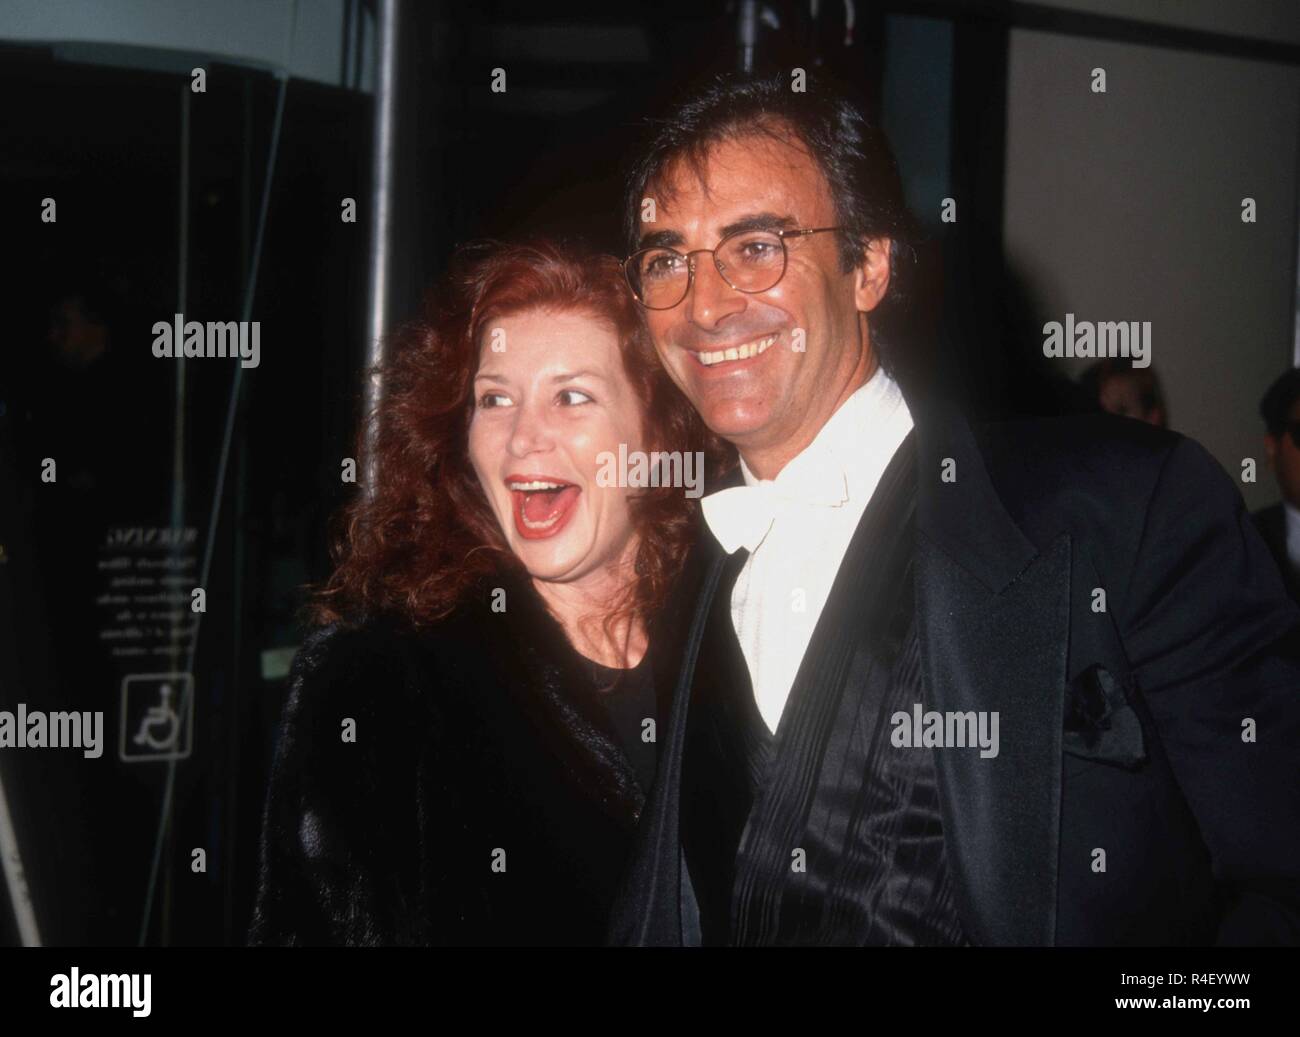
<point x="531" y="433"/>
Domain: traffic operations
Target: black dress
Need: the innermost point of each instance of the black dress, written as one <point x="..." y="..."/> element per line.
<point x="628" y="697"/>
<point x="464" y="785"/>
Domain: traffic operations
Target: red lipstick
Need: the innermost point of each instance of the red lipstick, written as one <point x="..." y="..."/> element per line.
<point x="543" y="504"/>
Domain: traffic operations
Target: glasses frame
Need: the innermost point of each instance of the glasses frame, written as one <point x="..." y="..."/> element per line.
<point x="792" y="232"/>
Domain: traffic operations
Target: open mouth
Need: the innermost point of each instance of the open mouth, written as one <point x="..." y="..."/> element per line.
<point x="542" y="506"/>
<point x="746" y="351"/>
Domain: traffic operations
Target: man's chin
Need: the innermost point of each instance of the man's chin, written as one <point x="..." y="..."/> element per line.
<point x="736" y="424"/>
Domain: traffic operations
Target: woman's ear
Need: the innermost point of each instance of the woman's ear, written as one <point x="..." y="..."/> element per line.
<point x="871" y="277"/>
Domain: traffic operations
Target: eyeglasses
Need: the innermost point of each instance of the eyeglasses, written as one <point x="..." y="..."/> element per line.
<point x="750" y="261"/>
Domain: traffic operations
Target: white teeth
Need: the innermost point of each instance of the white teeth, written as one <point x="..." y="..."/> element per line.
<point x="533" y="486"/>
<point x="540" y="525"/>
<point x="744" y="352"/>
<point x="536" y="484"/>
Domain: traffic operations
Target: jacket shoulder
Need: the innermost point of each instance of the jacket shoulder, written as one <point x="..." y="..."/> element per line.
<point x="1086" y="446"/>
<point x="1271" y="519"/>
<point x="1096" y="473"/>
<point x="377" y="668"/>
<point x="363" y="711"/>
<point x="341" y="797"/>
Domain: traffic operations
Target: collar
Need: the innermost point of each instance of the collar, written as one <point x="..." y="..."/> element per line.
<point x="848" y="455"/>
<point x="842" y="465"/>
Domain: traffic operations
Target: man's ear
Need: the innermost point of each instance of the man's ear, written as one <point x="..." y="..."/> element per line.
<point x="871" y="278"/>
<point x="1270" y="449"/>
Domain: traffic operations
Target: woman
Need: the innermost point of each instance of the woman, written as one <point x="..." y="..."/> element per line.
<point x="462" y="758"/>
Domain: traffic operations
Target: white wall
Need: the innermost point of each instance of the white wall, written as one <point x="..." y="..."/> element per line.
<point x="1275" y="20"/>
<point x="1127" y="206"/>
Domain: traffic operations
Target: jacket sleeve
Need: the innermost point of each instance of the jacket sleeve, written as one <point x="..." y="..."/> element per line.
<point x="341" y="847"/>
<point x="1215" y="643"/>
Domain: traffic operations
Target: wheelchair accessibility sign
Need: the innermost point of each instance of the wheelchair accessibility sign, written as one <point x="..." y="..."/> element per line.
<point x="153" y="727"/>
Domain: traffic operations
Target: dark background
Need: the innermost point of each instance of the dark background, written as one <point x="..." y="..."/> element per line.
<point x="545" y="157"/>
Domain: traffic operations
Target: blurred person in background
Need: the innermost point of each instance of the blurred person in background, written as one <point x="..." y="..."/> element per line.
<point x="1280" y="523"/>
<point x="1117" y="387"/>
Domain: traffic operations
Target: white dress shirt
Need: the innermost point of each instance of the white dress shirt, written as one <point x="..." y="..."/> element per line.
<point x="797" y="528"/>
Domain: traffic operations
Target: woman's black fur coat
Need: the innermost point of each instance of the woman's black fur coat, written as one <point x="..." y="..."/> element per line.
<point x="480" y="735"/>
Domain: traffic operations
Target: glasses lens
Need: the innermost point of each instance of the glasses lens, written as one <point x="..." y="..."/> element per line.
<point x="752" y="261"/>
<point x="659" y="277"/>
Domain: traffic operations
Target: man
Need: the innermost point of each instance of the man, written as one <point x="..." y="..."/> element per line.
<point x="1031" y="684"/>
<point x="1117" y="387"/>
<point x="1280" y="523"/>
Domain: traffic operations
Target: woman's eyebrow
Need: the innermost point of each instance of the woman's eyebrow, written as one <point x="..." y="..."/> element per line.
<point x="489" y="376"/>
<point x="568" y="376"/>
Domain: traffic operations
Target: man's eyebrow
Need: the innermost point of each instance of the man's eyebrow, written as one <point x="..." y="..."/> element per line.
<point x="755" y="221"/>
<point x="660" y="239"/>
<point x="760" y="221"/>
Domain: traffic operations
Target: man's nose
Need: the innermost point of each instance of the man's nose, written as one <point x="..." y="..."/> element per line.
<point x="531" y="432"/>
<point x="710" y="299"/>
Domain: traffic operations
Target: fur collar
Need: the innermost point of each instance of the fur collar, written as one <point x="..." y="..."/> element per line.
<point x="524" y="650"/>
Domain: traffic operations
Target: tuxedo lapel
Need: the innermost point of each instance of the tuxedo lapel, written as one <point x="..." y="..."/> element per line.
<point x="993" y="626"/>
<point x="993" y="623"/>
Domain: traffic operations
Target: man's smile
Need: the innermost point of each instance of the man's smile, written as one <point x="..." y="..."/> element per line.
<point x="729" y="355"/>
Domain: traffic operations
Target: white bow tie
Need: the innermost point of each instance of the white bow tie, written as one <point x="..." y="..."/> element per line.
<point x="742" y="516"/>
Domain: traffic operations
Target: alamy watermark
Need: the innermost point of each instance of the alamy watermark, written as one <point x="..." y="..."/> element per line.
<point x="93" y="990"/>
<point x="193" y="339"/>
<point x="636" y="468"/>
<point x="954" y="730"/>
<point x="1100" y="339"/>
<point x="39" y="730"/>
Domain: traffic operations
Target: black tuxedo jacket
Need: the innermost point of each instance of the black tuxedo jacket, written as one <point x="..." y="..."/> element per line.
<point x="1160" y="727"/>
<point x="1272" y="527"/>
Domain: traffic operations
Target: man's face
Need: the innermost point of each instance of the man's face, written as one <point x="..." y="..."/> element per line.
<point x="1284" y="456"/>
<point x="772" y="404"/>
<point x="1122" y="394"/>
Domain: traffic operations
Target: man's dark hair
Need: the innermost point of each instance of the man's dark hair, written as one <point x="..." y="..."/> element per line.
<point x="1150" y="394"/>
<point x="852" y="153"/>
<point x="1278" y="401"/>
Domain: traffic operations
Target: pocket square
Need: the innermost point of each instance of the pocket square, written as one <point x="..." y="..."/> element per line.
<point x="1100" y="723"/>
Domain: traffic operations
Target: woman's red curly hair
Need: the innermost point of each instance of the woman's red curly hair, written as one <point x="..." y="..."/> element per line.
<point x="427" y="537"/>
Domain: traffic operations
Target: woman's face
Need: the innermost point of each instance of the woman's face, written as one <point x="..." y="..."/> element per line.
<point x="551" y="395"/>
